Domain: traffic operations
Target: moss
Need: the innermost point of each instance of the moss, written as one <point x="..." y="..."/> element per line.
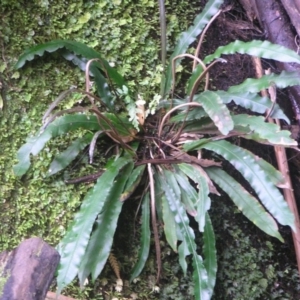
<point x="126" y="33"/>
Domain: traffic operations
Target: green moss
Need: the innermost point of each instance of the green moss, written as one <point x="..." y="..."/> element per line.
<point x="126" y="33"/>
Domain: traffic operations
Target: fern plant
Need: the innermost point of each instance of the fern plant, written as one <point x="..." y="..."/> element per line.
<point x="163" y="155"/>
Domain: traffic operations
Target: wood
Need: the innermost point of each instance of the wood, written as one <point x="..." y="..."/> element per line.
<point x="292" y="8"/>
<point x="26" y="272"/>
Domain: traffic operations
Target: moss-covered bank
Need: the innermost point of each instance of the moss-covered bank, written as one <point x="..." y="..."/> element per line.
<point x="127" y="34"/>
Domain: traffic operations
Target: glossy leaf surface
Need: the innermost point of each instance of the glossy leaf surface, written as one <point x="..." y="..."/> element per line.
<point x="246" y="203"/>
<point x="99" y="246"/>
<point x="189" y="36"/>
<point x="145" y="239"/>
<point x="73" y="246"/>
<point x="217" y="111"/>
<point x="58" y="127"/>
<point x="62" y="160"/>
<point x="210" y="254"/>
<point x="267" y="192"/>
<point x="188" y="246"/>
<point x="282" y="80"/>
<point x="263" y="49"/>
<point x="269" y="131"/>
<point x="254" y="102"/>
<point x="76" y="47"/>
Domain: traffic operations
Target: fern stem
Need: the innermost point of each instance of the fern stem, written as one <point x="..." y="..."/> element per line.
<point x="163" y="39"/>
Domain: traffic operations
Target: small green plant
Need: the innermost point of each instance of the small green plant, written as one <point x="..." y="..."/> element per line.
<point x="174" y="152"/>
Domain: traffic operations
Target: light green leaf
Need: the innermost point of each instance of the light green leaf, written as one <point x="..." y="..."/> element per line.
<point x="193" y="114"/>
<point x="133" y="182"/>
<point x="65" y="124"/>
<point x="76" y="47"/>
<point x="63" y="159"/>
<point x="254" y="102"/>
<point x="189" y="36"/>
<point x="282" y="80"/>
<point x="203" y="201"/>
<point x="188" y="192"/>
<point x="145" y="239"/>
<point x="99" y="246"/>
<point x="85" y="18"/>
<point x="210" y="254"/>
<point x="263" y="49"/>
<point x="60" y="126"/>
<point x="269" y="195"/>
<point x="246" y="203"/>
<point x="265" y="130"/>
<point x="169" y="224"/>
<point x="195" y="145"/>
<point x="217" y="111"/>
<point x="188" y="246"/>
<point x="73" y="245"/>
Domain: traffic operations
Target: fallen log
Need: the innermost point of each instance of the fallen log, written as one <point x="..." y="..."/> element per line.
<point x="26" y="272"/>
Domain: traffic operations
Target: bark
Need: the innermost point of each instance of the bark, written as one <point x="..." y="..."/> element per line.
<point x="278" y="30"/>
<point x="27" y="272"/>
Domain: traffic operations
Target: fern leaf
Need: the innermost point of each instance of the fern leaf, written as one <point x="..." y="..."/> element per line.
<point x="73" y="46"/>
<point x="189" y="36"/>
<point x="99" y="246"/>
<point x="246" y="203"/>
<point x="217" y="111"/>
<point x="254" y="102"/>
<point x="210" y="254"/>
<point x="188" y="246"/>
<point x="270" y="132"/>
<point x="73" y="246"/>
<point x="282" y="80"/>
<point x="263" y="49"/>
<point x="203" y="201"/>
<point x="145" y="239"/>
<point x="62" y="160"/>
<point x="260" y="182"/>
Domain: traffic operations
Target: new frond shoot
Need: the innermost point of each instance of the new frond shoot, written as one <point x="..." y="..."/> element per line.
<point x="182" y="142"/>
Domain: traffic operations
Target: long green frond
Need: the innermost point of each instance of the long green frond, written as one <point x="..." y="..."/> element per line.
<point x="210" y="253"/>
<point x="263" y="49"/>
<point x="282" y="80"/>
<point x="63" y="159"/>
<point x="73" y="246"/>
<point x="217" y="111"/>
<point x="203" y="201"/>
<point x="189" y="36"/>
<point x="188" y="246"/>
<point x="100" y="243"/>
<point x="246" y="203"/>
<point x="269" y="131"/>
<point x="267" y="192"/>
<point x="60" y="126"/>
<point x="73" y="46"/>
<point x="145" y="239"/>
<point x="254" y="102"/>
